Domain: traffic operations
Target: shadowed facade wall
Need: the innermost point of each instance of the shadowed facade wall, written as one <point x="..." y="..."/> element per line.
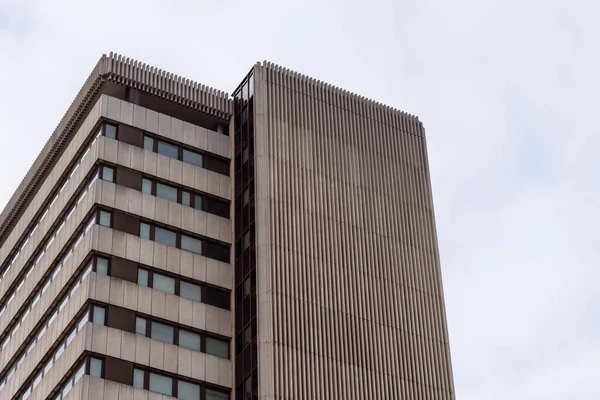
<point x="350" y="299"/>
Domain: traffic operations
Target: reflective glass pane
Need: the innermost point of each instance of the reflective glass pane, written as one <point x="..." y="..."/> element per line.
<point x="148" y="143"/>
<point x="108" y="174"/>
<point x="185" y="199"/>
<point x="96" y="367"/>
<point x="147" y="186"/>
<point x="167" y="149"/>
<point x="140" y="326"/>
<point x="217" y="347"/>
<point x="190" y="291"/>
<point x="99" y="315"/>
<point x="189" y="340"/>
<point x="192" y="158"/>
<point x="144" y="231"/>
<point x="166" y="192"/>
<point x="138" y="378"/>
<point x="191" y="244"/>
<point x="110" y="131"/>
<point x="162" y="332"/>
<point x="164" y="283"/>
<point x="67" y="388"/>
<point x="142" y="277"/>
<point x="104" y="218"/>
<point x="188" y="391"/>
<point x="161" y="384"/>
<point x="102" y="266"/>
<point x="198" y="202"/>
<point x="214" y="395"/>
<point x="165" y="237"/>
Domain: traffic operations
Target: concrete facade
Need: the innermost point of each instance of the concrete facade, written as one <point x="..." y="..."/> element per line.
<point x="129" y="268"/>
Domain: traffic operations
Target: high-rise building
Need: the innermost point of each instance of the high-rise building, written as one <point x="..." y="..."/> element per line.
<point x="173" y="240"/>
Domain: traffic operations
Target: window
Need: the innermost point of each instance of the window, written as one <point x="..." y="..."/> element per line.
<point x="105" y="218"/>
<point x="102" y="266"/>
<point x="167" y="149"/>
<point x="96" y="367"/>
<point x="147" y="186"/>
<point x="108" y="174"/>
<point x="189" y="340"/>
<point x="161" y="384"/>
<point x="142" y="277"/>
<point x="164" y="283"/>
<point x="192" y="158"/>
<point x="214" y="395"/>
<point x="191" y="244"/>
<point x="161" y="332"/>
<point x="140" y="326"/>
<point x="188" y="391"/>
<point x="248" y="386"/>
<point x="138" y="378"/>
<point x="99" y="315"/>
<point x="206" y="161"/>
<point x="245" y="197"/>
<point x="144" y="231"/>
<point x="190" y="291"/>
<point x="166" y="237"/>
<point x="110" y="131"/>
<point x="166" y="192"/>
<point x="148" y="143"/>
<point x="217" y="347"/>
<point x="185" y="198"/>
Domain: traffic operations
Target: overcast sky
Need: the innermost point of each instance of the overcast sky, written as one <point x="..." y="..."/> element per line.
<point x="508" y="91"/>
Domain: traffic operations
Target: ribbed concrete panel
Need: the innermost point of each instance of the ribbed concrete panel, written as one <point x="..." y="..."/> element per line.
<point x="349" y="284"/>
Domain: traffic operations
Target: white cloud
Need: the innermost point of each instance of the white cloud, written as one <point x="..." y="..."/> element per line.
<point x="507" y="91"/>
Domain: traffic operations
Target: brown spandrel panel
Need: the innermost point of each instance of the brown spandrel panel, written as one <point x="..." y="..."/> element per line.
<point x="117" y="370"/>
<point x="131" y="135"/>
<point x="129" y="178"/>
<point x="126" y="223"/>
<point x="123" y="269"/>
<point x="121" y="318"/>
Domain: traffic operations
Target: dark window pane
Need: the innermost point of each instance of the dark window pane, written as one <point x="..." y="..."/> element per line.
<point x="217" y="347"/>
<point x="110" y="131"/>
<point x="189" y="340"/>
<point x="190" y="291"/>
<point x="245" y="197"/>
<point x="192" y="158"/>
<point x="191" y="244"/>
<point x="165" y="237"/>
<point x="164" y="283"/>
<point x="161" y="384"/>
<point x="148" y="143"/>
<point x="161" y="332"/>
<point x="166" y="192"/>
<point x="167" y="149"/>
<point x="217" y="298"/>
